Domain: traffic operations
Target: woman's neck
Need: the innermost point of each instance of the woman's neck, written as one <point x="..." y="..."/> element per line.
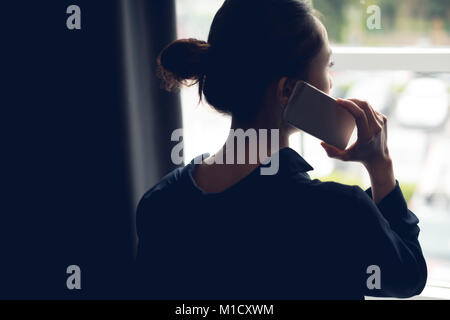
<point x="240" y="155"/>
<point x="256" y="141"/>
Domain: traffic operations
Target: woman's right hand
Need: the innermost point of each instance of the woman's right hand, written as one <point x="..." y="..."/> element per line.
<point x="371" y="146"/>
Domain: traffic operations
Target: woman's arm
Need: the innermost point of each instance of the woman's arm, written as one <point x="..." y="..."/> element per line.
<point x="381" y="178"/>
<point x="388" y="238"/>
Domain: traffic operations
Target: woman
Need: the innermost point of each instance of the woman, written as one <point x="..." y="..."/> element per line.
<point x="220" y="229"/>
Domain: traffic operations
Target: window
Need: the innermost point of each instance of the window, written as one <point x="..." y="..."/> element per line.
<point x="194" y="18"/>
<point x="403" y="70"/>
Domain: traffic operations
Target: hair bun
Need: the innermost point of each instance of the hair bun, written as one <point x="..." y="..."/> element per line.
<point x="181" y="60"/>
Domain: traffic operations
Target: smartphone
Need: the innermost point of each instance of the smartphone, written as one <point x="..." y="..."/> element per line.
<point x="315" y="112"/>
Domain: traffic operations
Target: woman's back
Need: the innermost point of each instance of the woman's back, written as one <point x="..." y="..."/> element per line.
<point x="283" y="236"/>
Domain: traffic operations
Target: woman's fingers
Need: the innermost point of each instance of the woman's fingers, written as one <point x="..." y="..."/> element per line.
<point x="375" y="123"/>
<point x="360" y="118"/>
<point x="370" y="124"/>
<point x="384" y="120"/>
<point x="381" y="116"/>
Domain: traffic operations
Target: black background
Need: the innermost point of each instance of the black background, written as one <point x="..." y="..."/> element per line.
<point x="65" y="183"/>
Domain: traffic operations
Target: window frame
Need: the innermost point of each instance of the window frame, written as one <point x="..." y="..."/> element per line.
<point x="432" y="60"/>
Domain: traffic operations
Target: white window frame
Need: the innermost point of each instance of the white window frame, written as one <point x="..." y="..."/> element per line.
<point x="389" y="58"/>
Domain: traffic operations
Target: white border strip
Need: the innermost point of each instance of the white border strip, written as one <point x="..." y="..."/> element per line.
<point x="389" y="58"/>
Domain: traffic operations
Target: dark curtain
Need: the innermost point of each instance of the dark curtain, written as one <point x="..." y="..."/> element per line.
<point x="86" y="130"/>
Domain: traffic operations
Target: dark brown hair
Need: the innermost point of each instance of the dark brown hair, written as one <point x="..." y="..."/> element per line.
<point x="250" y="44"/>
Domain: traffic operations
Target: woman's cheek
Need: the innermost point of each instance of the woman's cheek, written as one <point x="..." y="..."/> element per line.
<point x="325" y="83"/>
<point x="320" y="80"/>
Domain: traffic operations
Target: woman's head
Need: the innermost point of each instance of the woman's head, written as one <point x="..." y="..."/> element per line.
<point x="255" y="53"/>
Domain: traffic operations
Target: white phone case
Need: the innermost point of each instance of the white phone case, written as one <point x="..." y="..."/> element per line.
<point x="318" y="114"/>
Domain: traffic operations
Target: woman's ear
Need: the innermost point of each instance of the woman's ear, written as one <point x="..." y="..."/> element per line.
<point x="284" y="90"/>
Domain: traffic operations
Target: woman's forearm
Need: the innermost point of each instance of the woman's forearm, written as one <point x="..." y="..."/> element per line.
<point x="382" y="179"/>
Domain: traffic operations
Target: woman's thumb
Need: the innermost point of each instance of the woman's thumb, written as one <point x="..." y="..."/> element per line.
<point x="332" y="151"/>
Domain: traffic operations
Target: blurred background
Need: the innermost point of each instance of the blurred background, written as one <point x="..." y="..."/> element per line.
<point x="414" y="97"/>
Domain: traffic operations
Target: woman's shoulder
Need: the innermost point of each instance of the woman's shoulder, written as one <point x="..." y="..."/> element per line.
<point x="158" y="195"/>
<point x="349" y="198"/>
<point x="174" y="179"/>
<point x="332" y="188"/>
<point x="164" y="185"/>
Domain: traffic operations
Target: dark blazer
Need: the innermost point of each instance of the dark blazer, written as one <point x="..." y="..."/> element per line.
<point x="282" y="236"/>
